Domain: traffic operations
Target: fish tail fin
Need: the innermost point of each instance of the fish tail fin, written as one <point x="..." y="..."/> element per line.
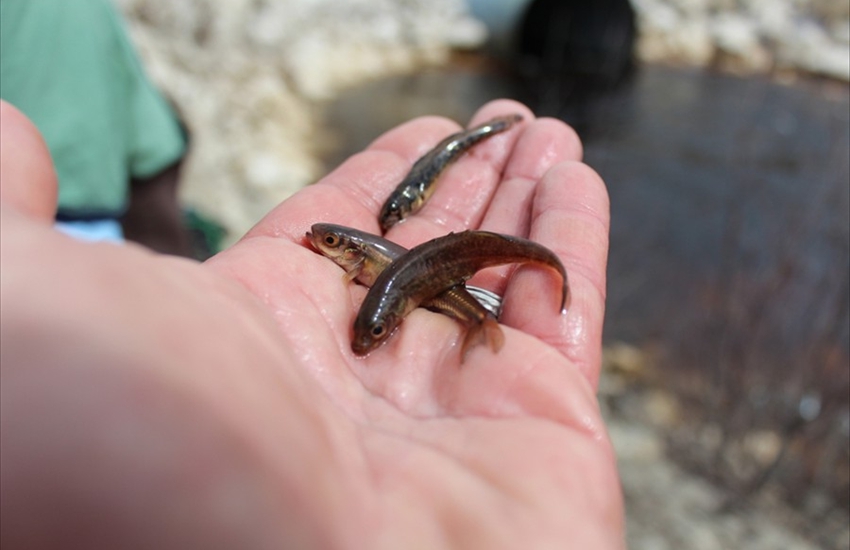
<point x="566" y="299"/>
<point x="566" y="294"/>
<point x="488" y="331"/>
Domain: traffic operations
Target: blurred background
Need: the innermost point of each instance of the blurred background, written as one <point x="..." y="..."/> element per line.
<point x="722" y="128"/>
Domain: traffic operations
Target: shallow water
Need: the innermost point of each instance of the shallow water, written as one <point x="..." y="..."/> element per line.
<point x="710" y="176"/>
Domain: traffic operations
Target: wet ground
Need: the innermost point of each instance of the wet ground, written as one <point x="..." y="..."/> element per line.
<point x="730" y="250"/>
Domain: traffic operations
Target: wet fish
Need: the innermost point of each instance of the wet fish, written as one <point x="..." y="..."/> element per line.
<point x="364" y="256"/>
<point x="418" y="186"/>
<point x="435" y="266"/>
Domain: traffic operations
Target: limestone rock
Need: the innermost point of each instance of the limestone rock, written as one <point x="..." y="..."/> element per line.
<point x="247" y="78"/>
<point x="747" y="35"/>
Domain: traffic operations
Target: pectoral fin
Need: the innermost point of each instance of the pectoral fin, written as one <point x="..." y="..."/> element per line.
<point x="355" y="271"/>
<point x="488" y="331"/>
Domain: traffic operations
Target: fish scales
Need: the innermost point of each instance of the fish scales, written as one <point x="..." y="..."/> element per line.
<point x="418" y="185"/>
<point x="364" y="256"/>
<point x="435" y="266"/>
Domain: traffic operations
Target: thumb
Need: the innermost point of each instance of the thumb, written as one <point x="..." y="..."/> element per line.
<point x="27" y="177"/>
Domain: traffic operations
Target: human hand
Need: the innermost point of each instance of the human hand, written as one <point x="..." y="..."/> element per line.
<point x="220" y="405"/>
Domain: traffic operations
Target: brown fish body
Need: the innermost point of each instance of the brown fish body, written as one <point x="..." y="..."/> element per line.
<point x="418" y="186"/>
<point x="364" y="256"/>
<point x="434" y="267"/>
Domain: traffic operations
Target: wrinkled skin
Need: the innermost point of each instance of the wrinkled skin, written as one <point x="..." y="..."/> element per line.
<point x="180" y="405"/>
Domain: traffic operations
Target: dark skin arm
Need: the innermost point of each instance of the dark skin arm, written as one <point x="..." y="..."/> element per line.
<point x="153" y="216"/>
<point x="157" y="402"/>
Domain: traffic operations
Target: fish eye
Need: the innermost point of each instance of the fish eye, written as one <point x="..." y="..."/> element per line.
<point x="378" y="330"/>
<point x="332" y="239"/>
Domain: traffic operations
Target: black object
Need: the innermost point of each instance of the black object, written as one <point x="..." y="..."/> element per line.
<point x="571" y="51"/>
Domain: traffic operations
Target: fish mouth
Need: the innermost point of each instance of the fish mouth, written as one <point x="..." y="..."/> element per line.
<point x="389" y="222"/>
<point x="390" y="215"/>
<point x="361" y="347"/>
<point x="314" y="240"/>
<point x="362" y="343"/>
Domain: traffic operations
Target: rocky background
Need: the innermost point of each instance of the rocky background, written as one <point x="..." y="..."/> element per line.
<point x="249" y="79"/>
<point x="252" y="79"/>
<point x="786" y="37"/>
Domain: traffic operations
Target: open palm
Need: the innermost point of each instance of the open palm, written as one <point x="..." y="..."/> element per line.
<point x="259" y="425"/>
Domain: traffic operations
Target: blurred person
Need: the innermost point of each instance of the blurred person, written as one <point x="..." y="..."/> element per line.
<point x="115" y="142"/>
<point x="150" y="401"/>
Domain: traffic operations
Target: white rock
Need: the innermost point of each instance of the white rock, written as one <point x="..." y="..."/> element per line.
<point x="693" y="8"/>
<point x="246" y="76"/>
<point x="467" y="33"/>
<point x="695" y="44"/>
<point x="772" y="19"/>
<point x="655" y="15"/>
<point x="749" y="35"/>
<point x="811" y="49"/>
<point x="735" y="34"/>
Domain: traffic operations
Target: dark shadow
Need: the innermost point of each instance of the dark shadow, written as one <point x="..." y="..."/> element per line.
<point x="573" y="55"/>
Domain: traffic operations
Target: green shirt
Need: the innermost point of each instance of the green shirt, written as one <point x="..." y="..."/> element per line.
<point x="69" y="66"/>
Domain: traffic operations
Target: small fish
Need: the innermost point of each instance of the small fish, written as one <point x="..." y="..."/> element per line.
<point x="434" y="267"/>
<point x="418" y="186"/>
<point x="364" y="256"/>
